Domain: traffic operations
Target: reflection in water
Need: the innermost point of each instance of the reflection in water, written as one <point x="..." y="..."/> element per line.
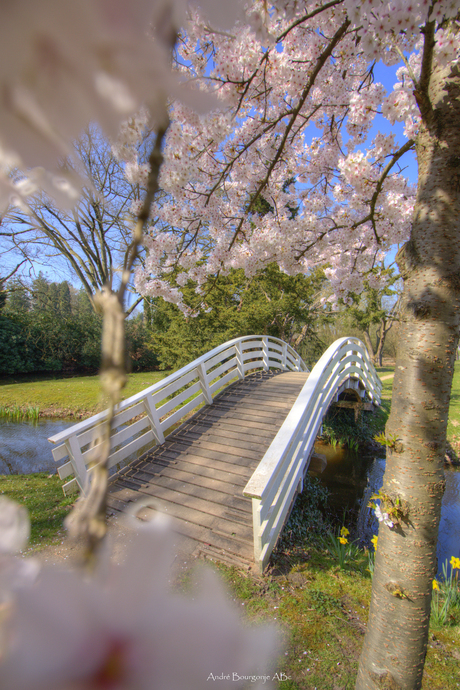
<point x="24" y="447"/>
<point x="449" y="531"/>
<point x="352" y="479"/>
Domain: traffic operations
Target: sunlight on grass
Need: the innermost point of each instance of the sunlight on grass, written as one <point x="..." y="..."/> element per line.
<point x="70" y="396"/>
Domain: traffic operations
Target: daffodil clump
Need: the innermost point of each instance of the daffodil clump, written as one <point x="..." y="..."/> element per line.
<point x="339" y="547"/>
<point x="371" y="555"/>
<point x="445" y="604"/>
<point x="344" y="532"/>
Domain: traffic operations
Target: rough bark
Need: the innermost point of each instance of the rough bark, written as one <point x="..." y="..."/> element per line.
<point x="395" y="645"/>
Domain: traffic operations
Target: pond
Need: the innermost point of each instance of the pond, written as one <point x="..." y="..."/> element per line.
<point x="352" y="479"/>
<point x="24" y="446"/>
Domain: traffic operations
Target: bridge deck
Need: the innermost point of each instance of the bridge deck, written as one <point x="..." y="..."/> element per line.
<point x="198" y="475"/>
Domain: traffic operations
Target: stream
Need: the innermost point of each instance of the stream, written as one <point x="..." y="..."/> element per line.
<point x="350" y="478"/>
<point x="24" y="446"/>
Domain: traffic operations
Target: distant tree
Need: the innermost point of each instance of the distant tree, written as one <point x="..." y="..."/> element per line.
<point x="6" y="285"/>
<point x="40" y="290"/>
<point x="91" y="238"/>
<point x="3" y="296"/>
<point x="18" y="297"/>
<point x="64" y="301"/>
<point x="141" y="353"/>
<point x="52" y="305"/>
<point x="271" y="303"/>
<point x="376" y="310"/>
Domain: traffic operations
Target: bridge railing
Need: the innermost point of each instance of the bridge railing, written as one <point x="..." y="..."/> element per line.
<point x="143" y="419"/>
<point x="279" y="475"/>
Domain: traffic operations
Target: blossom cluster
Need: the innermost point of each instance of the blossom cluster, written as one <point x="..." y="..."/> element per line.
<point x="95" y="60"/>
<point x="383" y="517"/>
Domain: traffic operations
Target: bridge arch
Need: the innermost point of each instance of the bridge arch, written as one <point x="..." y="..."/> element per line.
<point x="344" y="366"/>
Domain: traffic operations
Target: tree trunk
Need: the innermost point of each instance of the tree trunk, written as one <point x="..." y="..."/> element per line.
<point x="381" y="335"/>
<point x="369" y="345"/>
<point x="395" y="644"/>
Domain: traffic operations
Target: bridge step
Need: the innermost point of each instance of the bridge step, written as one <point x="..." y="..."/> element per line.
<point x="213" y="554"/>
<point x="198" y="475"/>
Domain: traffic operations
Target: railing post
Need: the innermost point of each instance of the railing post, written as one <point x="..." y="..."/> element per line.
<point x="239" y="359"/>
<point x="297" y="361"/>
<point x="78" y="463"/>
<point x="284" y="356"/>
<point x="265" y="355"/>
<point x="154" y="419"/>
<point x="204" y="383"/>
<point x="257" y="531"/>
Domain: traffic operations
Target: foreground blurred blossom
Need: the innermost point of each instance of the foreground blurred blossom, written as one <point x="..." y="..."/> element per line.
<point x="14" y="535"/>
<point x="14" y="526"/>
<point x="64" y="64"/>
<point x="126" y="630"/>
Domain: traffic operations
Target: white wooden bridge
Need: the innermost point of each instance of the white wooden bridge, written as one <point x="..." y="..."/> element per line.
<point x="223" y="444"/>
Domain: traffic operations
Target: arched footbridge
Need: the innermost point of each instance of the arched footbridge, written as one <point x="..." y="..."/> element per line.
<point x="223" y="444"/>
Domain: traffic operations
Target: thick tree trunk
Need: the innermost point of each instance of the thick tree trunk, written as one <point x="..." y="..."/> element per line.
<point x="395" y="644"/>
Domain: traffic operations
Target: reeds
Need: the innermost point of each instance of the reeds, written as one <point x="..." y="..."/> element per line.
<point x="19" y="414"/>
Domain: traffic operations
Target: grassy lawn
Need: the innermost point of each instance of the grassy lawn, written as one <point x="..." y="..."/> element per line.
<point x="70" y="397"/>
<point x="42" y="495"/>
<point x="453" y="425"/>
<point x="322" y="612"/>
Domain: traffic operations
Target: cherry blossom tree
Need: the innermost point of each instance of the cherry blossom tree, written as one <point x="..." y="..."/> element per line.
<point x="297" y="82"/>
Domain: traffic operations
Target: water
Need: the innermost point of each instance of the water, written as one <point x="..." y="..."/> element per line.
<point x="24" y="447"/>
<point x="352" y="479"/>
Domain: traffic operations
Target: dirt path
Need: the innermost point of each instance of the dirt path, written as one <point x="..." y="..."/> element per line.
<point x="68" y="552"/>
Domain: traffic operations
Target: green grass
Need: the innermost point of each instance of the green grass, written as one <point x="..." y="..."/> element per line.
<point x="387" y="383"/>
<point x="453" y="425"/>
<point x="16" y="413"/>
<point x="79" y="396"/>
<point x="322" y="611"/>
<point x="42" y="495"/>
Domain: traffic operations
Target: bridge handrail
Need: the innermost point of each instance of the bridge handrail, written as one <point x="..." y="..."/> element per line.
<point x="158" y="404"/>
<point x="280" y="473"/>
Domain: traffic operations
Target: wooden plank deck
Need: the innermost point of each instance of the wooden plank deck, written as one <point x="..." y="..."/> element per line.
<point x="198" y="475"/>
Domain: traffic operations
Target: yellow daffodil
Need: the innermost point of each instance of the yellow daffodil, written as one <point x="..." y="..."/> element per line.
<point x="343" y="540"/>
<point x="455" y="562"/>
<point x="374" y="541"/>
<point x="344" y="532"/>
<point x="435" y="584"/>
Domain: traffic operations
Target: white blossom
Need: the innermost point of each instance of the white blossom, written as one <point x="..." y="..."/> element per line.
<point x="126" y="630"/>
